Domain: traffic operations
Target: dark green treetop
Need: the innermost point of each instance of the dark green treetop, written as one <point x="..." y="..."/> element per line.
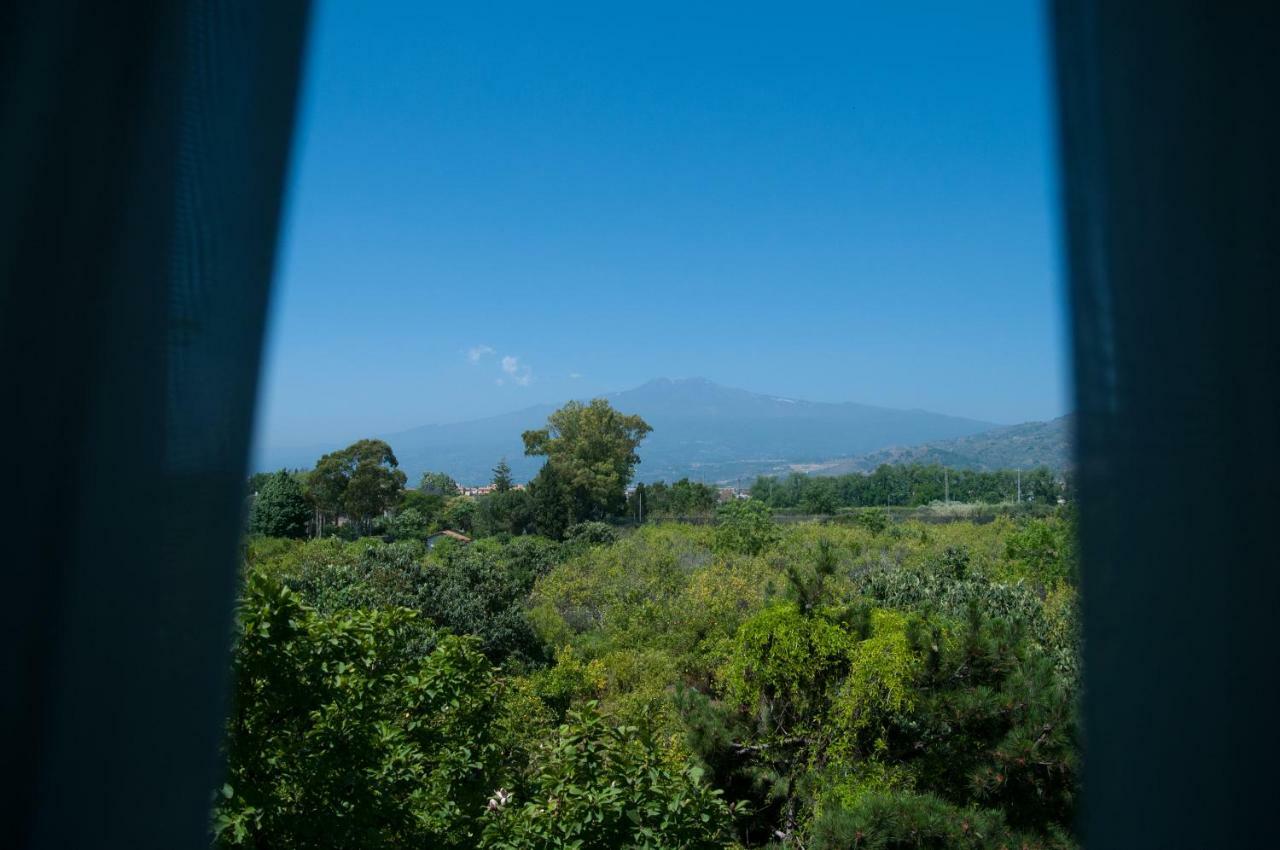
<point x="279" y="509"/>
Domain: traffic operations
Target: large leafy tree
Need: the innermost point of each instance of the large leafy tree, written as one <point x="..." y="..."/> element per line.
<point x="279" y="509"/>
<point x="591" y="456"/>
<point x="361" y="481"/>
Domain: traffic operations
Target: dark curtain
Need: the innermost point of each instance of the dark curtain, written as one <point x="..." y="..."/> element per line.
<point x="1170" y="141"/>
<point x="142" y="157"/>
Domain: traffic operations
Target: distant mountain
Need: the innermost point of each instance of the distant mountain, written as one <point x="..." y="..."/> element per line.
<point x="701" y="429"/>
<point x="1024" y="446"/>
<point x="716" y="433"/>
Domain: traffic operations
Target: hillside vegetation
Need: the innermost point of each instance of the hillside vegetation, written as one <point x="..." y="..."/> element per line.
<point x="862" y="681"/>
<point x="816" y="686"/>
<point x="1026" y="446"/>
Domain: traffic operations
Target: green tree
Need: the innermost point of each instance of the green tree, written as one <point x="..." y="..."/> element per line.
<point x="438" y="484"/>
<point x="507" y="512"/>
<point x="470" y="591"/>
<point x="460" y="514"/>
<point x="820" y="497"/>
<point x="280" y="509"/>
<point x="258" y="480"/>
<point x="502" y="477"/>
<point x="408" y="524"/>
<point x="553" y="504"/>
<point x="374" y="489"/>
<point x="428" y="507"/>
<point x="591" y="455"/>
<point x="361" y="481"/>
<point x="681" y="499"/>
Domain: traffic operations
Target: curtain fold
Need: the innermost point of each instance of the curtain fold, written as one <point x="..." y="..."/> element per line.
<point x="143" y="151"/>
<point x="1169" y="138"/>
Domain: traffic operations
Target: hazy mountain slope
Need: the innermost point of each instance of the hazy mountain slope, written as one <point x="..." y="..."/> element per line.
<point x="1024" y="446"/>
<point x="718" y="433"/>
<point x="701" y="429"/>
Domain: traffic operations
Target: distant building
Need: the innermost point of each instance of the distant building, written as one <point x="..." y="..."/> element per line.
<point x="447" y="534"/>
<point x="483" y="490"/>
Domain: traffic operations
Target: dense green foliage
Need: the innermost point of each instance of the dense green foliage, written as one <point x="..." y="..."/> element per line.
<point x="1026" y="446"/>
<point x="279" y="508"/>
<point x="343" y="736"/>
<point x="437" y="484"/>
<point x="907" y="485"/>
<point x="868" y="684"/>
<point x="746" y="528"/>
<point x="591" y="456"/>
<point x="360" y="482"/>
<point x="684" y="498"/>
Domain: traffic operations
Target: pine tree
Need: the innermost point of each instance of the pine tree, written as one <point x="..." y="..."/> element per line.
<point x="502" y="477"/>
<point x="280" y="509"/>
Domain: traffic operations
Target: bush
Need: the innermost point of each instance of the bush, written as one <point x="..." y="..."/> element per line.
<point x="341" y="736"/>
<point x="874" y="520"/>
<point x="409" y="524"/>
<point x="586" y="534"/>
<point x="745" y="527"/>
<point x="1042" y="551"/>
<point x="602" y="787"/>
<point x="783" y="662"/>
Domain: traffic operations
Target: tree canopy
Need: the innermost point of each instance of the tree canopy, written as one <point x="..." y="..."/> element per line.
<point x="502" y="477"/>
<point x="438" y="484"/>
<point x="591" y="456"/>
<point x="279" y="509"/>
<point x="360" y="481"/>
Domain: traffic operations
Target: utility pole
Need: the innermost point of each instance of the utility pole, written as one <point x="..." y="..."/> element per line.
<point x="640" y="493"/>
<point x="946" y="486"/>
<point x="1019" y="486"/>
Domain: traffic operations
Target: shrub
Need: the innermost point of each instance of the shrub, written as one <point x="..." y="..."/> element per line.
<point x="584" y="535"/>
<point x="341" y="736"/>
<point x="745" y="527"/>
<point x="783" y="662"/>
<point x="874" y="520"/>
<point x="602" y="787"/>
<point x="887" y="821"/>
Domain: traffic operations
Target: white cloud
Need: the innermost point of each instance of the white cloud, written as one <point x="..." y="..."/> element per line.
<point x="477" y="353"/>
<point x="575" y="375"/>
<point x="519" y="373"/>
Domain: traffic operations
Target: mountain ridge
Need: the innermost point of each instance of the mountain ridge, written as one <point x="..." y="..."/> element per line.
<point x="702" y="430"/>
<point x="1026" y="445"/>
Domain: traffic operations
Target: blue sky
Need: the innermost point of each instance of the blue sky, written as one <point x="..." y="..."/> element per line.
<point x="495" y="205"/>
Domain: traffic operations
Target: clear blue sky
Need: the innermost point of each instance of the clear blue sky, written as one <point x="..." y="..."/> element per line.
<point x="843" y="202"/>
